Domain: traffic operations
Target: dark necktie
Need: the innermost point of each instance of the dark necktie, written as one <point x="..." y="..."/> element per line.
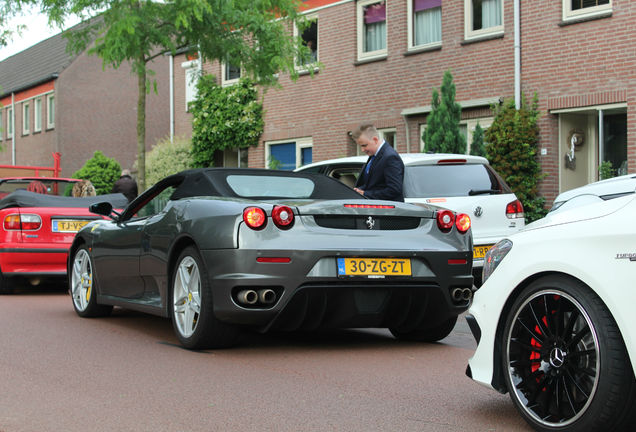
<point x="369" y="165"/>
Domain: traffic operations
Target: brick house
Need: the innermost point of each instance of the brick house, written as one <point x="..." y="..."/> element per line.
<point x="51" y="101"/>
<point x="381" y="59"/>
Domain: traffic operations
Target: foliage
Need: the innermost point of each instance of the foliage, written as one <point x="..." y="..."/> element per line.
<point x="477" y="147"/>
<point x="511" y="148"/>
<point x="102" y="171"/>
<point x="253" y="33"/>
<point x="167" y="158"/>
<point x="606" y="170"/>
<point x="224" y="117"/>
<point x="442" y="134"/>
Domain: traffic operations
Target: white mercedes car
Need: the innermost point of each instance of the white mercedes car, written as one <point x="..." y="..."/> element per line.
<point x="554" y="320"/>
<point x="462" y="183"/>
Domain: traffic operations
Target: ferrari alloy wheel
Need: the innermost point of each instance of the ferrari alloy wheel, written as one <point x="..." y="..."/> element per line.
<point x="565" y="363"/>
<point x="192" y="311"/>
<point x="187" y="296"/>
<point x="82" y="286"/>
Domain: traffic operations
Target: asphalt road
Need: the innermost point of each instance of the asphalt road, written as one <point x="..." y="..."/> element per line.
<point x="59" y="372"/>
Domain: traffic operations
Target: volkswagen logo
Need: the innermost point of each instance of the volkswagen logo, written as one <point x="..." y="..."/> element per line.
<point x="370" y="223"/>
<point x="557" y="357"/>
<point x="478" y="211"/>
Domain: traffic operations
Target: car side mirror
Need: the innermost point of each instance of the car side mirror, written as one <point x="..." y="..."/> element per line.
<point x="103" y="208"/>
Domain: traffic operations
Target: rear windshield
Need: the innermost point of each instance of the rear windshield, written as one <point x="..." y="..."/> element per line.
<point x="451" y="181"/>
<point x="45" y="186"/>
<point x="248" y="186"/>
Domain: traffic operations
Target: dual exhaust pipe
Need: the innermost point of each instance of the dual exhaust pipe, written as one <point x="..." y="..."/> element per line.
<point x="250" y="297"/>
<point x="461" y="294"/>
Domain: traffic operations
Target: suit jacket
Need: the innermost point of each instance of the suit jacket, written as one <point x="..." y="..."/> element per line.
<point x="386" y="176"/>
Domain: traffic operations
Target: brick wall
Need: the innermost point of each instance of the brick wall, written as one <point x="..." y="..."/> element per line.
<point x="97" y="110"/>
<point x="567" y="65"/>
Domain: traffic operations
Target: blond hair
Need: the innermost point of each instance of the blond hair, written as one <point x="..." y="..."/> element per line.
<point x="365" y="129"/>
<point x="83" y="188"/>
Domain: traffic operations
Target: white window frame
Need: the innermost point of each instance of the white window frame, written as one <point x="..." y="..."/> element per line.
<point x="50" y="111"/>
<point x="411" y="30"/>
<point x="360" y="31"/>
<point x="469" y="33"/>
<point x="26" y="118"/>
<point x="301" y="143"/>
<point x="37" y="114"/>
<point x="228" y="82"/>
<point x="588" y="12"/>
<point x="305" y="67"/>
<point x="192" y="72"/>
<point x="10" y="123"/>
<point x="484" y="122"/>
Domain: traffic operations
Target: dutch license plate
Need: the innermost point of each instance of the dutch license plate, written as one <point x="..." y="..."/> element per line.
<point x="480" y="251"/>
<point x="65" y="226"/>
<point x="374" y="267"/>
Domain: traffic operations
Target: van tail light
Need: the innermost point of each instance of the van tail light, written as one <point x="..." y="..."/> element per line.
<point x="445" y="220"/>
<point x="25" y="222"/>
<point x="514" y="210"/>
<point x="283" y="217"/>
<point x="462" y="222"/>
<point x="255" y="218"/>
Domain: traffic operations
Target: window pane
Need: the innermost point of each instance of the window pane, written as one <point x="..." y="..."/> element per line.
<point x="305" y="155"/>
<point x="310" y="40"/>
<point x="615" y="141"/>
<point x="486" y="13"/>
<point x="25" y="118"/>
<point x="427" y="26"/>
<point x="375" y="27"/>
<point x="37" y="115"/>
<point x="580" y="4"/>
<point x="283" y="156"/>
<point x="232" y="72"/>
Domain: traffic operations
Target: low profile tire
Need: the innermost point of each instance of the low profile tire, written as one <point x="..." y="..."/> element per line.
<point x="564" y="359"/>
<point x="428" y="334"/>
<point x="191" y="306"/>
<point x="82" y="286"/>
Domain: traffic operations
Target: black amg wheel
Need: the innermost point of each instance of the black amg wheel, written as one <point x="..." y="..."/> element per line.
<point x="565" y="362"/>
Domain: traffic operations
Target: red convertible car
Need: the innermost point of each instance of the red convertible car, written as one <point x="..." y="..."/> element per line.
<point x="38" y="226"/>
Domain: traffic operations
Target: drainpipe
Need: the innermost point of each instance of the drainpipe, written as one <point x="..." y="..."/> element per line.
<point x="171" y="68"/>
<point x="15" y="135"/>
<point x="517" y="25"/>
<point x="408" y="135"/>
<point x="600" y="137"/>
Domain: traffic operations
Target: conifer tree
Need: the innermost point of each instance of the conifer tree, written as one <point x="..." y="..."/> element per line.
<point x="442" y="134"/>
<point x="477" y="147"/>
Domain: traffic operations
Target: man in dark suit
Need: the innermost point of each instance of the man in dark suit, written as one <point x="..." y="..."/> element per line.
<point x="383" y="174"/>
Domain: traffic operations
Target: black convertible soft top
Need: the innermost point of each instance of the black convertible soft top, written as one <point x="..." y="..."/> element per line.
<point x="24" y="198"/>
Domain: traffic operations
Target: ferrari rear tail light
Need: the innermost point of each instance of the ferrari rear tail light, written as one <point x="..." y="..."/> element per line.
<point x="445" y="220"/>
<point x="255" y="218"/>
<point x="283" y="217"/>
<point x="514" y="210"/>
<point x="25" y="222"/>
<point x="462" y="222"/>
<point x="368" y="206"/>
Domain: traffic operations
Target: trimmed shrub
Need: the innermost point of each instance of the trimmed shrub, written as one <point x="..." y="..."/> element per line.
<point x="102" y="171"/>
<point x="511" y="148"/>
<point x="167" y="158"/>
<point x="477" y="147"/>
